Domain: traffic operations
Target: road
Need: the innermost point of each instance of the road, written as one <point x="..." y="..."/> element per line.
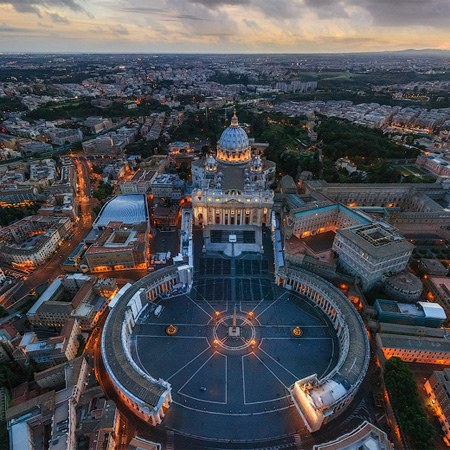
<point x="52" y="268"/>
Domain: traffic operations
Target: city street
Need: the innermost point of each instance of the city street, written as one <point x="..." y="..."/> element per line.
<point x="52" y="268"/>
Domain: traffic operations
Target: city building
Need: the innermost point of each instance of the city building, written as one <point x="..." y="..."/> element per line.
<point x="288" y="185"/>
<point x="433" y="267"/>
<point x="403" y="285"/>
<point x="313" y="215"/>
<point x="119" y="238"/>
<point x="51" y="351"/>
<point x="140" y="183"/>
<point x="232" y="198"/>
<point x="438" y="290"/>
<point x="51" y="418"/>
<point x="103" y="147"/>
<point x="30" y="241"/>
<point x="414" y="348"/>
<point x="26" y="420"/>
<point x="166" y="217"/>
<point x="424" y="314"/>
<point x="346" y="164"/>
<point x="364" y="437"/>
<point x="167" y="186"/>
<point x="138" y="443"/>
<point x="370" y="251"/>
<point x="77" y="296"/>
<point x="73" y="261"/>
<point x="130" y="209"/>
<point x="97" y="124"/>
<point x="319" y="400"/>
<point x="438" y="389"/>
<point x="437" y="163"/>
<point x="63" y="136"/>
<point x="43" y="171"/>
<point x="119" y="246"/>
<point x="416" y="209"/>
<point x="64" y="418"/>
<point x="180" y="153"/>
<point x="13" y="193"/>
<point x="97" y="421"/>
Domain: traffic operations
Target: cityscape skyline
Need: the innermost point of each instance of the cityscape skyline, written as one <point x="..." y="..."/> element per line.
<point x="228" y="26"/>
<point x="224" y="224"/>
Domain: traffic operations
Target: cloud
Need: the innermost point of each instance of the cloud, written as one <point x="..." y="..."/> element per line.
<point x="351" y="41"/>
<point x="144" y="10"/>
<point x="6" y="29"/>
<point x="188" y="17"/>
<point x="401" y="13"/>
<point x="327" y="9"/>
<point x="214" y="4"/>
<point x="161" y="12"/>
<point x="55" y="17"/>
<point x="252" y="24"/>
<point x="119" y="30"/>
<point x="32" y="6"/>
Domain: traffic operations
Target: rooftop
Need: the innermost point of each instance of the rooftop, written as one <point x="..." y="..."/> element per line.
<point x="400" y="341"/>
<point x="362" y="219"/>
<point x="442" y="285"/>
<point x="378" y="239"/>
<point x="420" y="309"/>
<point x="129" y="209"/>
<point x="142" y="388"/>
<point x="365" y="436"/>
<point x="405" y="281"/>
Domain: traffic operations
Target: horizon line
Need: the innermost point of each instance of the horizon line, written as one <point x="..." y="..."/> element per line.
<point x="220" y="53"/>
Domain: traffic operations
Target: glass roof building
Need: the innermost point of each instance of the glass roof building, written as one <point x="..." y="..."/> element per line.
<point x="129" y="209"/>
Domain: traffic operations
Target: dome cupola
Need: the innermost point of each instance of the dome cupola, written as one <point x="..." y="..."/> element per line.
<point x="256" y="164"/>
<point x="233" y="146"/>
<point x="210" y="163"/>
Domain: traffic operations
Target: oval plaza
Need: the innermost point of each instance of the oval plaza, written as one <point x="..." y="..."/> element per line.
<point x="233" y="332"/>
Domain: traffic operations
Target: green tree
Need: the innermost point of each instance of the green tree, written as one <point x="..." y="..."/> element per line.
<point x="104" y="190"/>
<point x="406" y="403"/>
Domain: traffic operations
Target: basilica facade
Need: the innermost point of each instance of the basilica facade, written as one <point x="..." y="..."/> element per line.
<point x="232" y="197"/>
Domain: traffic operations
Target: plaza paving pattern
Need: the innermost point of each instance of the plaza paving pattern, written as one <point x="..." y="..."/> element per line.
<point x="234" y="388"/>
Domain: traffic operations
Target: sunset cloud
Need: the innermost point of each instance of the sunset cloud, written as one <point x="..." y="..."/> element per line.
<point x="224" y="25"/>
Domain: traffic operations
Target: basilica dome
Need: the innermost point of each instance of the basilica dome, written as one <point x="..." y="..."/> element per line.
<point x="233" y="145"/>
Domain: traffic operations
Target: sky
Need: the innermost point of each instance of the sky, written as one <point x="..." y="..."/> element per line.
<point x="223" y="26"/>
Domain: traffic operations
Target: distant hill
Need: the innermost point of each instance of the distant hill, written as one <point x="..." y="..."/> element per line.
<point x="422" y="51"/>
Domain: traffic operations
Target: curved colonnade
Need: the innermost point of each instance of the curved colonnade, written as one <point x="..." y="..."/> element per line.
<point x="320" y="400"/>
<point x="147" y="396"/>
<point x="317" y="400"/>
